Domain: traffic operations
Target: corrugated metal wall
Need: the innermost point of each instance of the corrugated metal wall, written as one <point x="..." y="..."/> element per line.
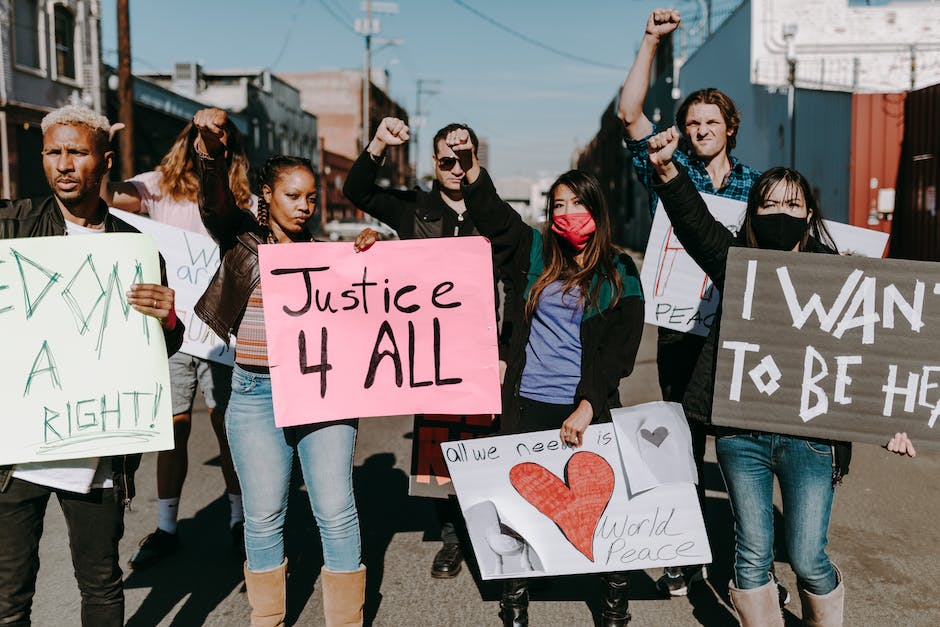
<point x="916" y="230"/>
<point x="877" y="133"/>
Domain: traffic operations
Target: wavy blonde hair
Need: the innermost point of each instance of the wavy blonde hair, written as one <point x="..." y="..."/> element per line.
<point x="179" y="180"/>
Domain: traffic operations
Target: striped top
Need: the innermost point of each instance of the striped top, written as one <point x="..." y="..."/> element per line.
<point x="251" y="347"/>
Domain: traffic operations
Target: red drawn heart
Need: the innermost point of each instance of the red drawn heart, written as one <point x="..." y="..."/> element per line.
<point x="575" y="504"/>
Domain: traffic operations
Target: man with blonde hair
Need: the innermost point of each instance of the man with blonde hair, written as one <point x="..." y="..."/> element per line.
<point x="92" y="492"/>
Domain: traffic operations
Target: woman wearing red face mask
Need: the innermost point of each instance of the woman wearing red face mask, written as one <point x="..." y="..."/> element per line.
<point x="577" y="308"/>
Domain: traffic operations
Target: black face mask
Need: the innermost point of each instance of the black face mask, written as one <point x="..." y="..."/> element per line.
<point x="778" y="231"/>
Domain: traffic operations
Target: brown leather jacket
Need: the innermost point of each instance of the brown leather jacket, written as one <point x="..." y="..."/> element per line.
<point x="238" y="235"/>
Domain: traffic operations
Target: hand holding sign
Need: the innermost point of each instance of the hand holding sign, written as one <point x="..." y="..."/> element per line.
<point x="841" y="350"/>
<point x="536" y="507"/>
<point x="902" y="445"/>
<point x="408" y="327"/>
<point x="572" y="429"/>
<point x="153" y="299"/>
<point x="365" y="239"/>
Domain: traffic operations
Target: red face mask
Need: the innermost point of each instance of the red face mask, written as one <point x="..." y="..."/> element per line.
<point x="575" y="228"/>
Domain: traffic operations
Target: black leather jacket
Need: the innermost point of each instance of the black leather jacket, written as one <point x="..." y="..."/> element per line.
<point x="41" y="217"/>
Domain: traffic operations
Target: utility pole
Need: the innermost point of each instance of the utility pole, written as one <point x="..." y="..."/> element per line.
<point x="424" y="87"/>
<point x="367" y="27"/>
<point x="125" y="90"/>
<point x="789" y="36"/>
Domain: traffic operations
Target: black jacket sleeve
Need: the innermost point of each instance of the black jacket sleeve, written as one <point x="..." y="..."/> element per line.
<point x="510" y="237"/>
<point x="617" y="350"/>
<point x="705" y="239"/>
<point x="392" y="207"/>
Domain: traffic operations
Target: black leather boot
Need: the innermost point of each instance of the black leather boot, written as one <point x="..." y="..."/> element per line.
<point x="514" y="605"/>
<point x="616" y="600"/>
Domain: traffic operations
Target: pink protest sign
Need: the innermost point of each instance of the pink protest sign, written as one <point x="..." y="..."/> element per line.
<point x="404" y="327"/>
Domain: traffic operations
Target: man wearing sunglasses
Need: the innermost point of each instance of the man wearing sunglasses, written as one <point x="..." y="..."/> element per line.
<point x="416" y="214"/>
<point x="413" y="213"/>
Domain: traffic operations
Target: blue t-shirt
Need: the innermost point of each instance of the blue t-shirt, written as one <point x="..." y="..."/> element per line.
<point x="553" y="353"/>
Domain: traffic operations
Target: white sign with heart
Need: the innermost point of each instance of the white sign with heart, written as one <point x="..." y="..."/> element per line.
<point x="657" y="436"/>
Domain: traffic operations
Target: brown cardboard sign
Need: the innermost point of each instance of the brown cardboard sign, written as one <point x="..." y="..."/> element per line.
<point x="830" y="346"/>
<point x="429" y="474"/>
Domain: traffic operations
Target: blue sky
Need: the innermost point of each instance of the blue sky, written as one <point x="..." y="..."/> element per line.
<point x="534" y="107"/>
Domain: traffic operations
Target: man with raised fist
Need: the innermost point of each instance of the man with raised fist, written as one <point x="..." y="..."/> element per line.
<point x="708" y="120"/>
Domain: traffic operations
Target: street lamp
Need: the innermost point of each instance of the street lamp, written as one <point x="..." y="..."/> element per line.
<point x="789" y="36"/>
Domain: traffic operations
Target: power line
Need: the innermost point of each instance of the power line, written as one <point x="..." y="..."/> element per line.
<point x="336" y="16"/>
<point x="339" y="7"/>
<point x="290" y="28"/>
<point x="535" y="42"/>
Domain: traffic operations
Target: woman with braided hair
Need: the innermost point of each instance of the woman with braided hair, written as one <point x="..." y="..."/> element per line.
<point x="170" y="194"/>
<point x="263" y="452"/>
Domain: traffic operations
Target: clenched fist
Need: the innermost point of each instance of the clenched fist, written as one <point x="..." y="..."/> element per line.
<point x="391" y="132"/>
<point x="661" y="148"/>
<point x="662" y="22"/>
<point x="211" y="126"/>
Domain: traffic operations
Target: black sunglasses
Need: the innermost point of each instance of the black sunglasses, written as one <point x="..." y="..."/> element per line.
<point x="446" y="163"/>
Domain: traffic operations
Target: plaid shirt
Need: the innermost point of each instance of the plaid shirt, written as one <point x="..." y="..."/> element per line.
<point x="737" y="184"/>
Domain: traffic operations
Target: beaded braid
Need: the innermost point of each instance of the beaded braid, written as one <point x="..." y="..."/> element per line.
<point x="272" y="169"/>
<point x="264" y="220"/>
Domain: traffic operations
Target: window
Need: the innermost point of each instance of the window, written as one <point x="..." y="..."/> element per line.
<point x="64" y="42"/>
<point x="26" y="33"/>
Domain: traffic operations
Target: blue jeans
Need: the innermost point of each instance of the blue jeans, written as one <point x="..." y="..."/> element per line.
<point x="263" y="454"/>
<point x="748" y="463"/>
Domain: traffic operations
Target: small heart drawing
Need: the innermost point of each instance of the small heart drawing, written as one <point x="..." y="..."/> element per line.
<point x="655" y="437"/>
<point x="575" y="504"/>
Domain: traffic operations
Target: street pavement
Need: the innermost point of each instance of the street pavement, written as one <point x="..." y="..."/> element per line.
<point x="884" y="536"/>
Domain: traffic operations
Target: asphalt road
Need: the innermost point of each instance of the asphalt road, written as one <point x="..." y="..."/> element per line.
<point x="884" y="536"/>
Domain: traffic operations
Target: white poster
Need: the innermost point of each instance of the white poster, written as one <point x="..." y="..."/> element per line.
<point x="680" y="296"/>
<point x="537" y="507"/>
<point x="83" y="373"/>
<point x="191" y="262"/>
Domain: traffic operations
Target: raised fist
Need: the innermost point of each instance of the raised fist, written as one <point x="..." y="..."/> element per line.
<point x="459" y="141"/>
<point x="392" y="132"/>
<point x="663" y="145"/>
<point x="211" y="126"/>
<point x="662" y="22"/>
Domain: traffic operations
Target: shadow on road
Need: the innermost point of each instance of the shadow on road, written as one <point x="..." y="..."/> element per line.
<point x="384" y="510"/>
<point x="206" y="569"/>
<point x="200" y="575"/>
<point x="197" y="579"/>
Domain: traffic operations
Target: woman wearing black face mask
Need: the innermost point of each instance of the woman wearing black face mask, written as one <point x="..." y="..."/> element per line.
<point x="782" y="214"/>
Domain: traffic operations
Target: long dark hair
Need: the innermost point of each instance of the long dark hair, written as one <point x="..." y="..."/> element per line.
<point x="598" y="255"/>
<point x="793" y="180"/>
<point x="269" y="173"/>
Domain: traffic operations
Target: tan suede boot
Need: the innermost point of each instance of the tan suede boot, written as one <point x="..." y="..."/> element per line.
<point x="824" y="610"/>
<point x="759" y="607"/>
<point x="344" y="594"/>
<point x="267" y="595"/>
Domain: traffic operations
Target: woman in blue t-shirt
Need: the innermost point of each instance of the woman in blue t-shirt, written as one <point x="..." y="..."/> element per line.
<point x="577" y="316"/>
